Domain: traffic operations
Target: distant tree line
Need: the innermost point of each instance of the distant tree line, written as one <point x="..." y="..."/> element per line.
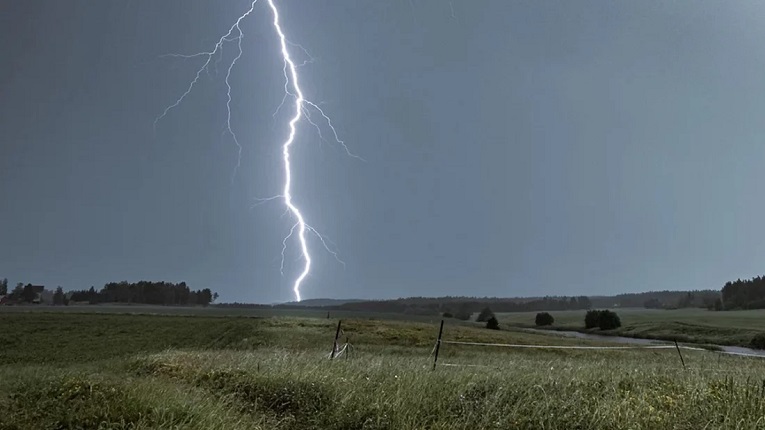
<point x="142" y="292"/>
<point x="464" y="307"/>
<point x="21" y="293"/>
<point x="659" y="299"/>
<point x="146" y="292"/>
<point x="748" y="294"/>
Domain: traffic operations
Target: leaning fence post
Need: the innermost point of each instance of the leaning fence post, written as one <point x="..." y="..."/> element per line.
<point x="681" y="355"/>
<point x="334" y="344"/>
<point x="438" y="344"/>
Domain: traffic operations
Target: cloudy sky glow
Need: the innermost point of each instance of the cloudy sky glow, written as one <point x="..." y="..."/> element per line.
<point x="512" y="148"/>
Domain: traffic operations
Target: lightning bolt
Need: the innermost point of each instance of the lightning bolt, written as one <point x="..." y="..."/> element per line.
<point x="302" y="110"/>
<point x="299" y="100"/>
<point x="234" y="34"/>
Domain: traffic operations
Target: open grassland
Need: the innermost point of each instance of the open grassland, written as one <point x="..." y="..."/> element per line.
<point x="213" y="311"/>
<point x="93" y="371"/>
<point x="686" y="325"/>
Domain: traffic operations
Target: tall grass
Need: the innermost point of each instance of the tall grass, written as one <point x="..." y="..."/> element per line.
<point x="274" y="374"/>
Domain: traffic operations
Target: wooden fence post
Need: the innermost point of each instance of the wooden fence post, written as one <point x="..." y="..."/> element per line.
<point x="438" y="344"/>
<point x="681" y="355"/>
<point x="334" y="344"/>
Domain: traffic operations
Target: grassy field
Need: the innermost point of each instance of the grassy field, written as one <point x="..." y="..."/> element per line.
<point x="210" y="311"/>
<point x="104" y="371"/>
<point x="686" y="325"/>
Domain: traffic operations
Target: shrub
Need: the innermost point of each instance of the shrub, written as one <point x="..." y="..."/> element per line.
<point x="758" y="341"/>
<point x="448" y="315"/>
<point x="605" y="320"/>
<point x="463" y="312"/>
<point x="485" y="315"/>
<point x="609" y="320"/>
<point x="591" y="319"/>
<point x="543" y="318"/>
<point x="492" y="323"/>
<point x="462" y="315"/>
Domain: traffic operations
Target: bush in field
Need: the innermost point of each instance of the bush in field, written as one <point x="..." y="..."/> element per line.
<point x="758" y="341"/>
<point x="463" y="312"/>
<point x="543" y="318"/>
<point x="485" y="315"/>
<point x="604" y="320"/>
<point x="492" y="323"/>
<point x="448" y="315"/>
<point x="591" y="319"/>
<point x="609" y="320"/>
<point x="462" y="315"/>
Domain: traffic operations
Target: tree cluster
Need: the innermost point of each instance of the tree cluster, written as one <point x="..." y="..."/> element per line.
<point x="23" y="293"/>
<point x="142" y="292"/>
<point x="748" y="294"/>
<point x="59" y="298"/>
<point x="602" y="319"/>
<point x="146" y="292"/>
<point x="658" y="299"/>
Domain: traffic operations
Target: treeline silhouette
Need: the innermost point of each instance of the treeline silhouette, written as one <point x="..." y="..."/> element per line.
<point x="659" y="299"/>
<point x="462" y="305"/>
<point x="747" y="294"/>
<point x="145" y="292"/>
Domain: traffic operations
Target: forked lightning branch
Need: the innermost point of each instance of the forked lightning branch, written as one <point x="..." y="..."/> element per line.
<point x="301" y="108"/>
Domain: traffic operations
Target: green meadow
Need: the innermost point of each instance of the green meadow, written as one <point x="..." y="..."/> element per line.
<point x="68" y="370"/>
<point x="685" y="325"/>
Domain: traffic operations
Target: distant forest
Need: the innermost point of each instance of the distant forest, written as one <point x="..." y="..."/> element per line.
<point x="146" y="292"/>
<point x="748" y="294"/>
<point x="660" y="300"/>
<point x="142" y="292"/>
<point x="461" y="306"/>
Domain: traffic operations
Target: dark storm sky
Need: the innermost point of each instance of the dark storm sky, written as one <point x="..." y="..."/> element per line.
<point x="512" y="148"/>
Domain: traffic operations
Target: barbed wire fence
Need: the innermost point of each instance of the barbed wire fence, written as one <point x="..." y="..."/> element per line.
<point x="676" y="346"/>
<point x="346" y="349"/>
<point x="337" y="349"/>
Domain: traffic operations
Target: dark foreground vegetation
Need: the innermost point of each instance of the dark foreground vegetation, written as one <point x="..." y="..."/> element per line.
<point x="89" y="371"/>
